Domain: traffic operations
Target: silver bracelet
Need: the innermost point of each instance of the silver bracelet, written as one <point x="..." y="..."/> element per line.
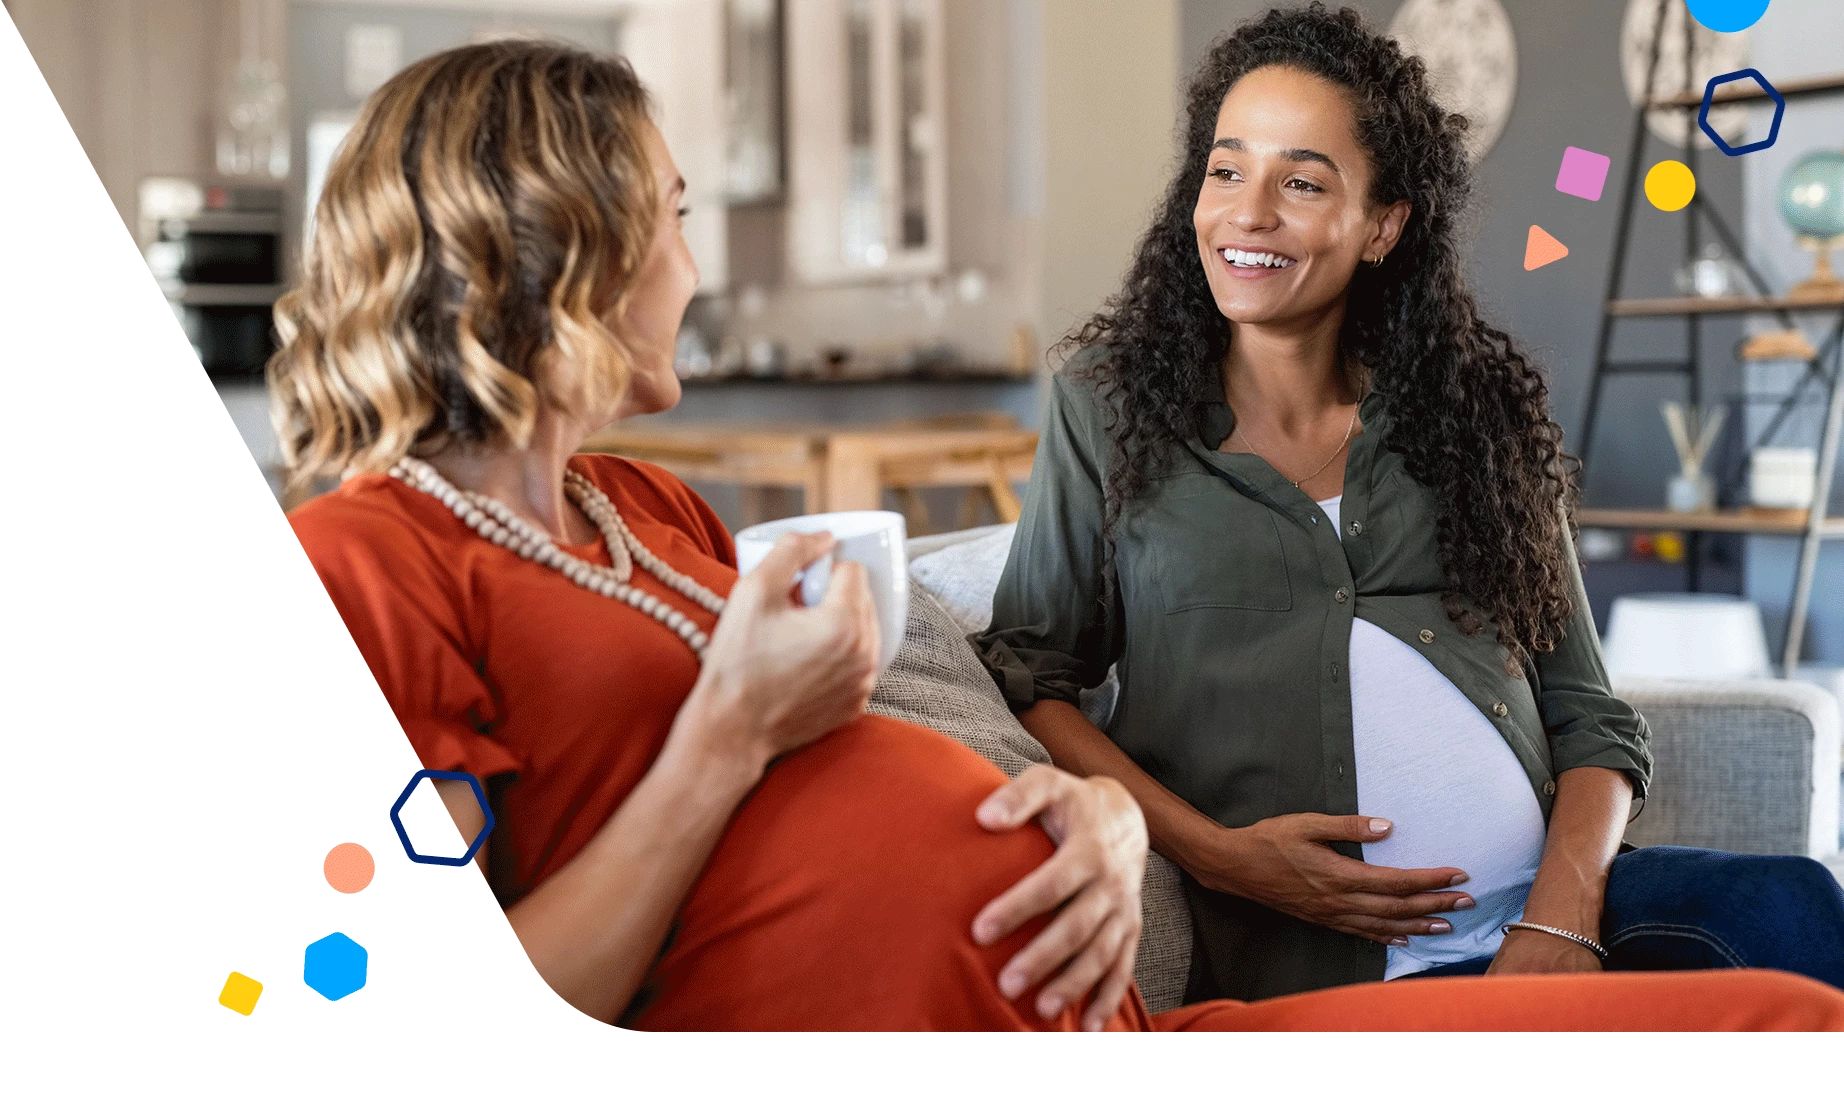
<point x="1599" y="950"/>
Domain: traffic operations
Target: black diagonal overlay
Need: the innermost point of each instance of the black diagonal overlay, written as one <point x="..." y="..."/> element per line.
<point x="209" y="725"/>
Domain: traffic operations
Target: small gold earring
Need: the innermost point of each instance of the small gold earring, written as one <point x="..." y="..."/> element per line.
<point x="1376" y="262"/>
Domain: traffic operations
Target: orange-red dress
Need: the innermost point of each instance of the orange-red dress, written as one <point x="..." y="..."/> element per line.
<point x="843" y="894"/>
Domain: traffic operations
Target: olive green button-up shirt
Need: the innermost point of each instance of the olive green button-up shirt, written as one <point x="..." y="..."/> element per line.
<point x="1231" y="635"/>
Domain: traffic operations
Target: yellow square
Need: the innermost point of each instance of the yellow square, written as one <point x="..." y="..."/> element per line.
<point x="240" y="993"/>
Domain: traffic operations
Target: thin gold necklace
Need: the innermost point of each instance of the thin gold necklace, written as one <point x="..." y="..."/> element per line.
<point x="1349" y="429"/>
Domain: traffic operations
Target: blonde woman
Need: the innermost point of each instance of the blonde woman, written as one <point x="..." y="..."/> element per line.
<point x="698" y="826"/>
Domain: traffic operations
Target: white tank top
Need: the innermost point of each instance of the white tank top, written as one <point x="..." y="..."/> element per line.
<point x="1432" y="764"/>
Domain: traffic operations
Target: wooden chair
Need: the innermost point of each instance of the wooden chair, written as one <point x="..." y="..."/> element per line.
<point x="903" y="478"/>
<point x="844" y="468"/>
<point x="759" y="459"/>
<point x="860" y="467"/>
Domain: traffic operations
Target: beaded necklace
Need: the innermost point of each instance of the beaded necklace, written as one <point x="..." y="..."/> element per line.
<point x="496" y="523"/>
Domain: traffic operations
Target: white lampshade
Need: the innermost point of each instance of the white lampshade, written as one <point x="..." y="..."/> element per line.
<point x="1687" y="637"/>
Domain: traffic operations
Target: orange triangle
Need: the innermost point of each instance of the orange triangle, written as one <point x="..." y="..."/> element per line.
<point x="1543" y="249"/>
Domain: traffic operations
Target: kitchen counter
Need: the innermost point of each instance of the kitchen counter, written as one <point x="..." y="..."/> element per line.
<point x="943" y="375"/>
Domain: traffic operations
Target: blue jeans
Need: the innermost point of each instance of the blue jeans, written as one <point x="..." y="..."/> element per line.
<point x="1669" y="907"/>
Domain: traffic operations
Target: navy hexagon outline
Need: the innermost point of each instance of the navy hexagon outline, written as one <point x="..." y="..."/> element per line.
<point x="1709" y="97"/>
<point x="404" y="836"/>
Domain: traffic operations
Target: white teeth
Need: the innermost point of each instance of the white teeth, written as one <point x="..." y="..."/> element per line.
<point x="1252" y="258"/>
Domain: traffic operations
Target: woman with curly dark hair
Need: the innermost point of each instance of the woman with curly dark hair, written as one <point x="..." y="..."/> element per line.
<point x="697" y="825"/>
<point x="1314" y="510"/>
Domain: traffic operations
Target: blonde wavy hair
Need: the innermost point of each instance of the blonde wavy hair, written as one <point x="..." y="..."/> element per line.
<point x="480" y="224"/>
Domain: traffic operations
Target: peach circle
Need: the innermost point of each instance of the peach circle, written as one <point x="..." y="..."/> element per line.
<point x="349" y="867"/>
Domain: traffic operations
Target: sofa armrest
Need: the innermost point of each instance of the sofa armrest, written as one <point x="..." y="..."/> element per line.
<point x="1749" y="766"/>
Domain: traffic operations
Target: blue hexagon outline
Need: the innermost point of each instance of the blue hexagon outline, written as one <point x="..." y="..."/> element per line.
<point x="404" y="836"/>
<point x="1709" y="97"/>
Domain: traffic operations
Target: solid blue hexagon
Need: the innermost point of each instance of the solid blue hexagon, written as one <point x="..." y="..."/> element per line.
<point x="335" y="966"/>
<point x="480" y="797"/>
<point x="1709" y="98"/>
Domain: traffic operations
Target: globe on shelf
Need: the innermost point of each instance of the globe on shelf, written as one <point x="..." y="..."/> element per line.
<point x="1812" y="204"/>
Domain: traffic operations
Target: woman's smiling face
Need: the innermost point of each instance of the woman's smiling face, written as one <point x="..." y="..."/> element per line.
<point x="1284" y="217"/>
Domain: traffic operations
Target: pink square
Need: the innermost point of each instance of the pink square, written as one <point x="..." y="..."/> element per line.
<point x="1583" y="173"/>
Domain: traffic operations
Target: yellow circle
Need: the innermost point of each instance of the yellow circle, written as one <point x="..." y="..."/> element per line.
<point x="1670" y="185"/>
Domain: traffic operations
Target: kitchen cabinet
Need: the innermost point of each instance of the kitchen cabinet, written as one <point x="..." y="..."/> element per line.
<point x="867" y="170"/>
<point x="677" y="48"/>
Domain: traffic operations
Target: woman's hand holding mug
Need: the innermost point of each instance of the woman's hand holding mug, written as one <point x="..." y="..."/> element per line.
<point x="779" y="675"/>
<point x="872" y="539"/>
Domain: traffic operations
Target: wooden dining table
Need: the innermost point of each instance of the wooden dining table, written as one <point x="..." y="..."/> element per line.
<point x="837" y="467"/>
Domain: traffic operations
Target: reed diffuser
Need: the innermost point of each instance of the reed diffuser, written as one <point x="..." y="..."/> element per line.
<point x="1693" y="434"/>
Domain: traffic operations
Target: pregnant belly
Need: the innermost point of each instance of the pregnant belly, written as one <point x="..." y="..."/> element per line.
<point x="843" y="896"/>
<point x="1431" y="763"/>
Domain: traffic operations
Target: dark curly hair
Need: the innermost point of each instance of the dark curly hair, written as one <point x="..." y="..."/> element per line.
<point x="1470" y="410"/>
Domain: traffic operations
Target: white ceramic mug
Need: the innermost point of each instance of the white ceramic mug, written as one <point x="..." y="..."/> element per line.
<point x="873" y="538"/>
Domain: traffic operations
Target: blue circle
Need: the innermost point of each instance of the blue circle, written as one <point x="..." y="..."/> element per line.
<point x="335" y="966"/>
<point x="1728" y="15"/>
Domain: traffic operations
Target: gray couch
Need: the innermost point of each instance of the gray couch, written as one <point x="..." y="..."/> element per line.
<point x="1750" y="766"/>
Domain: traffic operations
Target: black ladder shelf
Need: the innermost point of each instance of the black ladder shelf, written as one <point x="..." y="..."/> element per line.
<point x="1825" y="369"/>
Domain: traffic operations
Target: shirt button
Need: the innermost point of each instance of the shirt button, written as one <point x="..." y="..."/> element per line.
<point x="1356" y="528"/>
<point x="1427" y="637"/>
<point x="1549" y="787"/>
<point x="1500" y="709"/>
<point x="1334" y="671"/>
<point x="1341" y="770"/>
<point x="1341" y="594"/>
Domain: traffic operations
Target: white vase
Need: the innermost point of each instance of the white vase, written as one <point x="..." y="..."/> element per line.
<point x="1690" y="492"/>
<point x="1782" y="478"/>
